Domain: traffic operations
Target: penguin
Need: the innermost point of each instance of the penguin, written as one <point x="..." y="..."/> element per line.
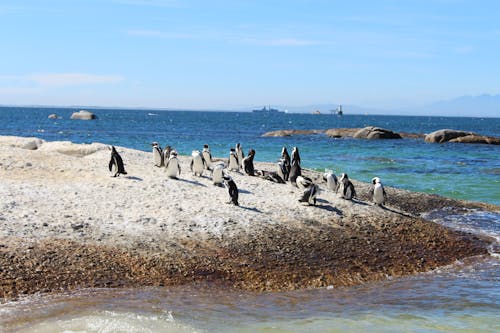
<point x="233" y="190"/>
<point x="346" y="188"/>
<point x="239" y="153"/>
<point x="332" y="182"/>
<point x="207" y="156"/>
<point x="166" y="154"/>
<point x="295" y="169"/>
<point x="303" y="182"/>
<point x="284" y="164"/>
<point x="157" y="154"/>
<point x="309" y="194"/>
<point x="173" y="166"/>
<point x="248" y="163"/>
<point x="197" y="163"/>
<point x="378" y="192"/>
<point x="233" y="163"/>
<point x="218" y="174"/>
<point x="271" y="176"/>
<point x="116" y="163"/>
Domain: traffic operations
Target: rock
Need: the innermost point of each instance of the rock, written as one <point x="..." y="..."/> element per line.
<point x="445" y="135"/>
<point x="73" y="149"/>
<point x="52" y="116"/>
<point x="20" y="142"/>
<point x="83" y="115"/>
<point x="341" y="132"/>
<point x="474" y="138"/>
<point x="373" y="133"/>
<point x="292" y="132"/>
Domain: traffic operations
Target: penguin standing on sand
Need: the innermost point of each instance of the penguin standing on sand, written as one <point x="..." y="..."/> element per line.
<point x="197" y="163"/>
<point x="239" y="154"/>
<point x="173" y="166"/>
<point x="284" y="164"/>
<point x="166" y="154"/>
<point x="207" y="156"/>
<point x="157" y="154"/>
<point x="248" y="163"/>
<point x="303" y="182"/>
<point x="295" y="169"/>
<point x="233" y="190"/>
<point x="346" y="188"/>
<point x="218" y="174"/>
<point x="116" y="163"/>
<point x="332" y="182"/>
<point x="233" y="163"/>
<point x="378" y="192"/>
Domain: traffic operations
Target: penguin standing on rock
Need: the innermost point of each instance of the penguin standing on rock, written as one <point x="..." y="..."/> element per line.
<point x="346" y="188"/>
<point x="233" y="190"/>
<point x="295" y="169"/>
<point x="116" y="163"/>
<point x="378" y="192"/>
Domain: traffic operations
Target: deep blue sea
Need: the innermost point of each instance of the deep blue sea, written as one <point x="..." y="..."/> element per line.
<point x="464" y="297"/>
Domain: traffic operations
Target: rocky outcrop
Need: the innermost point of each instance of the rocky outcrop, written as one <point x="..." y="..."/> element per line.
<point x="52" y="116"/>
<point x="292" y="132"/>
<point x="21" y="142"/>
<point x="449" y="135"/>
<point x="83" y="115"/>
<point x="374" y="133"/>
<point x="341" y="132"/>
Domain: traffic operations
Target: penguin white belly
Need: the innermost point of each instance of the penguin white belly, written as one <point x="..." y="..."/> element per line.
<point x="331" y="182"/>
<point x="172" y="168"/>
<point x="217" y="174"/>
<point x="378" y="194"/>
<point x="208" y="159"/>
<point x="233" y="163"/>
<point x="198" y="166"/>
<point x="157" y="158"/>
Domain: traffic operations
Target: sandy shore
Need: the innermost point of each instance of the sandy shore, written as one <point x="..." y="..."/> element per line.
<point x="66" y="224"/>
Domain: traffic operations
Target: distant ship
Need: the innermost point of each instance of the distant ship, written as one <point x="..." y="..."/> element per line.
<point x="267" y="110"/>
<point x="338" y="111"/>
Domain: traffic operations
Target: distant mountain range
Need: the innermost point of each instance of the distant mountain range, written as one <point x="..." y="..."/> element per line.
<point x="473" y="106"/>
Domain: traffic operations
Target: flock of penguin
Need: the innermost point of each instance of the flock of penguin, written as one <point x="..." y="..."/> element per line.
<point x="288" y="170"/>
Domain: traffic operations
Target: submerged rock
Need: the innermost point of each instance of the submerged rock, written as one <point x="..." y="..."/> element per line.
<point x="83" y="115"/>
<point x="52" y="116"/>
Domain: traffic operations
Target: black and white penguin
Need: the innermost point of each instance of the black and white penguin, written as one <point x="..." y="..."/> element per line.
<point x="233" y="190"/>
<point x="116" y="163"/>
<point x="233" y="162"/>
<point x="218" y="174"/>
<point x="295" y="169"/>
<point x="166" y="154"/>
<point x="248" y="163"/>
<point x="332" y="183"/>
<point x="284" y="164"/>
<point x="303" y="182"/>
<point x="271" y="176"/>
<point x="173" y="166"/>
<point x="378" y="194"/>
<point x="197" y="163"/>
<point x="207" y="156"/>
<point x="157" y="154"/>
<point x="239" y="154"/>
<point x="346" y="188"/>
<point x="309" y="194"/>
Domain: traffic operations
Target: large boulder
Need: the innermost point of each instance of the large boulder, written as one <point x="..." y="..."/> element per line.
<point x="445" y="135"/>
<point x="21" y="142"/>
<point x="83" y="115"/>
<point x="292" y="132"/>
<point x="341" y="132"/>
<point x="52" y="116"/>
<point x="475" y="138"/>
<point x="373" y="133"/>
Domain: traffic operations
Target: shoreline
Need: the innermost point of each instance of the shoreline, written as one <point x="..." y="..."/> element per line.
<point x="66" y="225"/>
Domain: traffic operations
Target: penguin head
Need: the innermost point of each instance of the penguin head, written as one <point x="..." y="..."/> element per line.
<point x="375" y="180"/>
<point x="205" y="146"/>
<point x="173" y="153"/>
<point x="155" y="144"/>
<point x="251" y="152"/>
<point x="344" y="176"/>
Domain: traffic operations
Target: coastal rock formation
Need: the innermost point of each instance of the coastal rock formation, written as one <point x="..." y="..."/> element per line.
<point x="341" y="132"/>
<point x="292" y="132"/>
<point x="373" y="133"/>
<point x="100" y="231"/>
<point x="83" y="115"/>
<point x="21" y="142"/>
<point x="449" y="135"/>
<point x="52" y="116"/>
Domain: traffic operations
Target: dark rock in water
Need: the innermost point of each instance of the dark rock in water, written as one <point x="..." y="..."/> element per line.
<point x="373" y="133"/>
<point x="341" y="132"/>
<point x="52" y="116"/>
<point x="445" y="135"/>
<point x="448" y="135"/>
<point x="83" y="115"/>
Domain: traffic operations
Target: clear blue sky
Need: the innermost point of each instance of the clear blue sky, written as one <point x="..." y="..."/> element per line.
<point x="229" y="54"/>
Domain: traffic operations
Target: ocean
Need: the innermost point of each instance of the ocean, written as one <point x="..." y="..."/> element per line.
<point x="460" y="298"/>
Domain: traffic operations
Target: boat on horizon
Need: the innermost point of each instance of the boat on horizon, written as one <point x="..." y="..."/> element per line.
<point x="267" y="110"/>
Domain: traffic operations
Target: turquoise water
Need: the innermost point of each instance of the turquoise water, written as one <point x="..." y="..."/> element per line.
<point x="464" y="297"/>
<point x="463" y="171"/>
